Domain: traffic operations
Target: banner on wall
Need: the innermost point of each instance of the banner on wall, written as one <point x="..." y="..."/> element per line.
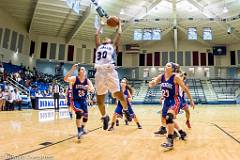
<point x="145" y="73"/>
<point x="133" y="74"/>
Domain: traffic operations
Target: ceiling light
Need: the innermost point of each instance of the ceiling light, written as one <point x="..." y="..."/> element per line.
<point x="225" y="10"/>
<point x="122" y="11"/>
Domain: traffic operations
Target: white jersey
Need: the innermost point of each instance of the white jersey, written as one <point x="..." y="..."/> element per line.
<point x="105" y="54"/>
<point x="106" y="77"/>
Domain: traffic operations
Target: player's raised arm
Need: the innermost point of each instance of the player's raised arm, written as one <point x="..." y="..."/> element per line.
<point x="155" y="81"/>
<point x="116" y="41"/>
<point x="68" y="77"/>
<point x="97" y="36"/>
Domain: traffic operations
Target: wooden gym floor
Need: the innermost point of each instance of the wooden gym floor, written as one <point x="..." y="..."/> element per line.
<point x="215" y="134"/>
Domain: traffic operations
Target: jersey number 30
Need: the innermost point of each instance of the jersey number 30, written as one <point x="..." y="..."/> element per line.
<point x="101" y="55"/>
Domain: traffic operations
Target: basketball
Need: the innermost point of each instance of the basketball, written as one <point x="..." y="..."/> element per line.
<point x="112" y="21"/>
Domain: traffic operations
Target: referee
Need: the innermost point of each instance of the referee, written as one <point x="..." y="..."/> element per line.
<point x="56" y="95"/>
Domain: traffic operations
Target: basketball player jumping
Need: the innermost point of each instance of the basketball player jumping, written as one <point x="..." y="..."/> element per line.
<point x="81" y="85"/>
<point x="169" y="83"/>
<point x="106" y="77"/>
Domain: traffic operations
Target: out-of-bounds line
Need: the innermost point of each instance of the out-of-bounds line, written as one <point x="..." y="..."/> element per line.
<point x="235" y="139"/>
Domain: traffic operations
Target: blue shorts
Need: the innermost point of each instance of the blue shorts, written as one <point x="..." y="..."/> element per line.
<point x="81" y="106"/>
<point x="170" y="103"/>
<point x="119" y="110"/>
<point x="183" y="103"/>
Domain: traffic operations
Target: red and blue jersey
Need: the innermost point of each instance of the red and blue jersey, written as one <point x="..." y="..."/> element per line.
<point x="80" y="89"/>
<point x="169" y="88"/>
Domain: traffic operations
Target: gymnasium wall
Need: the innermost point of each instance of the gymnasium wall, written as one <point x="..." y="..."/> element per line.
<point x="13" y="35"/>
<point x="82" y="51"/>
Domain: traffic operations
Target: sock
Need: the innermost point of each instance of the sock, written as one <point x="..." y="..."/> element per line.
<point x="170" y="136"/>
<point x="138" y="124"/>
<point x="112" y="124"/>
<point x="79" y="129"/>
<point x="162" y="128"/>
<point x="180" y="131"/>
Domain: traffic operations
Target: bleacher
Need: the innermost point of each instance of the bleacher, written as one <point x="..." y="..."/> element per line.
<point x="152" y="95"/>
<point x="139" y="93"/>
<point x="225" y="89"/>
<point x="196" y="90"/>
<point x="41" y="86"/>
<point x="10" y="68"/>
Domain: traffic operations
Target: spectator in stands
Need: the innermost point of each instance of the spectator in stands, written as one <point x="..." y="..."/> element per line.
<point x="39" y="94"/>
<point x="45" y="93"/>
<point x="18" y="78"/>
<point x="35" y="73"/>
<point x="18" y="101"/>
<point x="48" y="94"/>
<point x="1" y="98"/>
<point x="33" y="91"/>
<point x="11" y="100"/>
<point x="10" y="87"/>
<point x="27" y="83"/>
<point x="1" y="72"/>
<point x="4" y="98"/>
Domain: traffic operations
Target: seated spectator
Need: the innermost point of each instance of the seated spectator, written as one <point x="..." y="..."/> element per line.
<point x="5" y="97"/>
<point x="1" y="70"/>
<point x="39" y="94"/>
<point x="33" y="91"/>
<point x="1" y="99"/>
<point x="49" y="94"/>
<point x="11" y="100"/>
<point x="18" y="101"/>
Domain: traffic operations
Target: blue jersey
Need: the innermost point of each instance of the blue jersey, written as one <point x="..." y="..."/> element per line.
<point x="126" y="96"/>
<point x="80" y="89"/>
<point x="169" y="89"/>
<point x="119" y="107"/>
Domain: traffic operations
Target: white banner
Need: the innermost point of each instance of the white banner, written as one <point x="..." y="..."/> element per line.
<point x="48" y="103"/>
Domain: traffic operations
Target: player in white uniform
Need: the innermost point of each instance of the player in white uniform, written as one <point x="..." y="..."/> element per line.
<point x="106" y="77"/>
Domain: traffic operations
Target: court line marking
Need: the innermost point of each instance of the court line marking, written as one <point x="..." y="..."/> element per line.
<point x="38" y="149"/>
<point x="235" y="139"/>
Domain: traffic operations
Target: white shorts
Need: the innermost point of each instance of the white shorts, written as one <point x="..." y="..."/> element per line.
<point x="106" y="80"/>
